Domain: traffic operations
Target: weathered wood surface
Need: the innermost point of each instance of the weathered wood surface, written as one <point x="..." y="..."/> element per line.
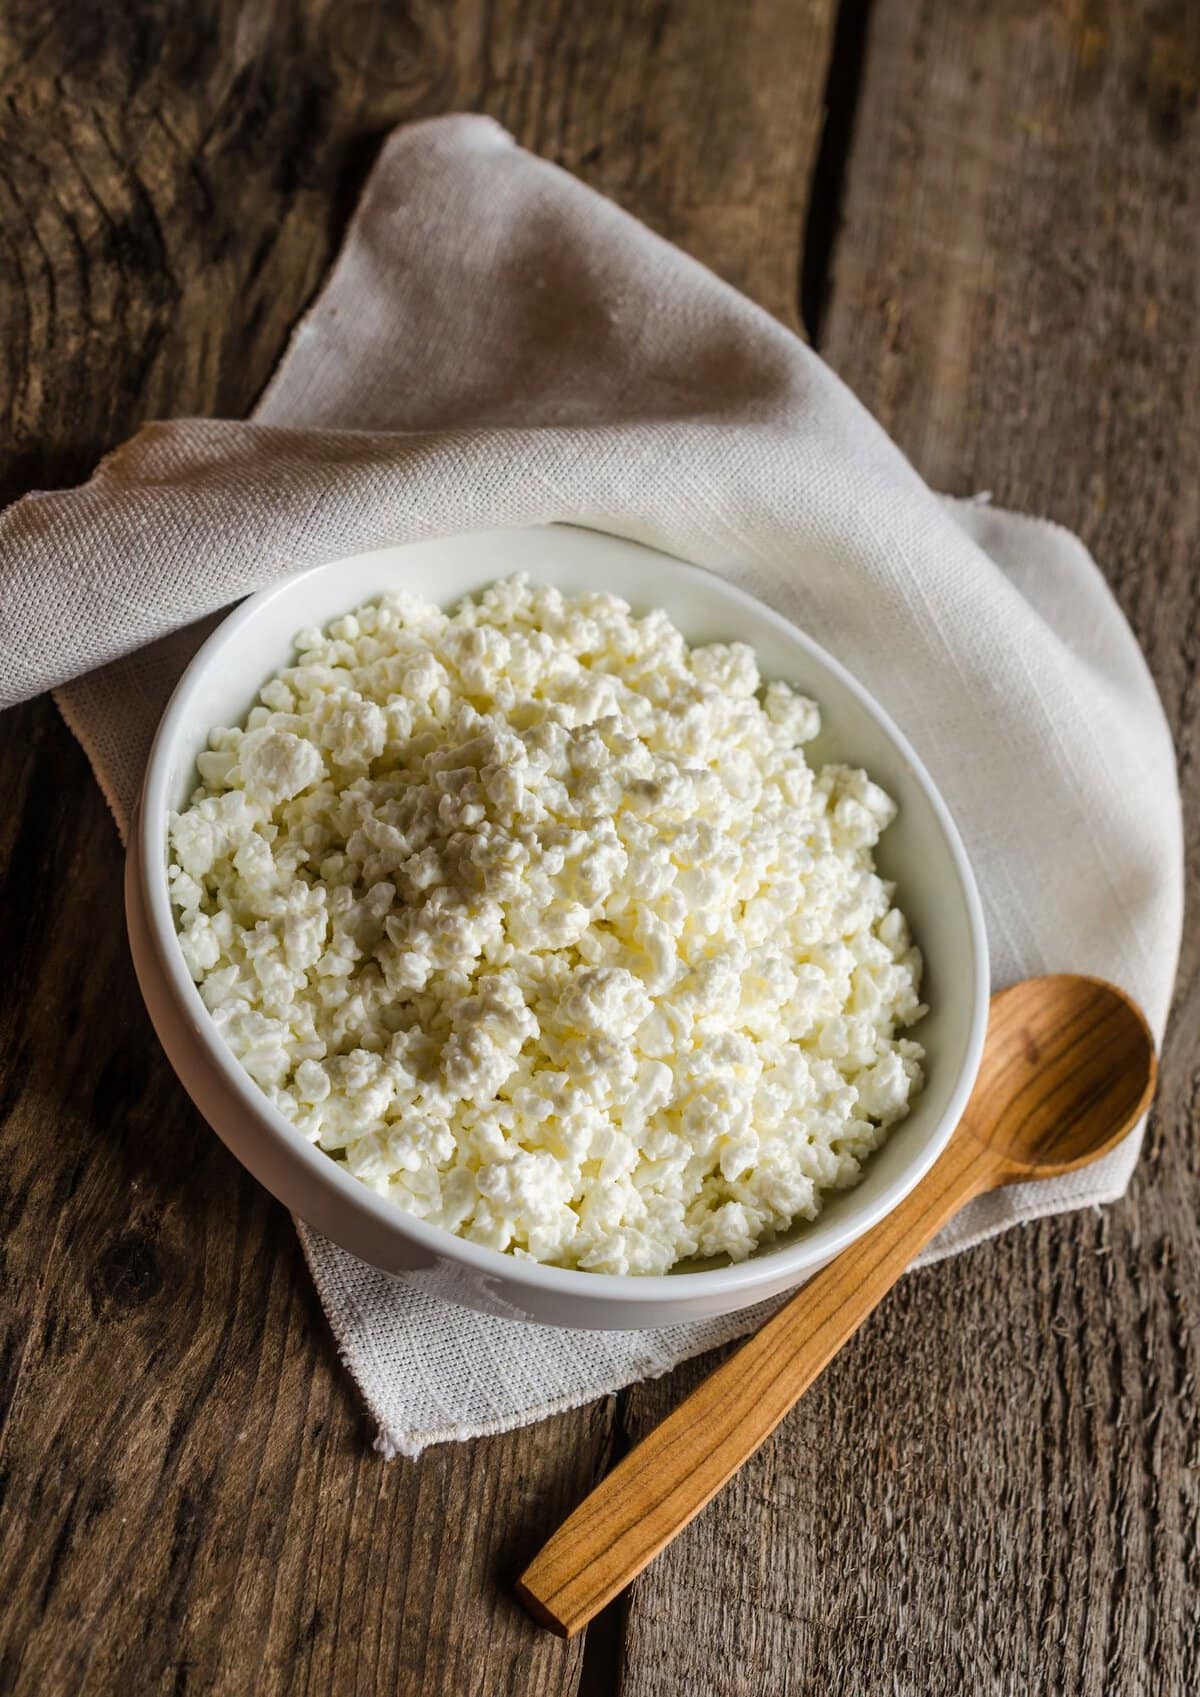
<point x="996" y="1488"/>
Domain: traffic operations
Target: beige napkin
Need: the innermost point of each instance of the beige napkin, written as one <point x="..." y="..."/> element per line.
<point x="498" y="345"/>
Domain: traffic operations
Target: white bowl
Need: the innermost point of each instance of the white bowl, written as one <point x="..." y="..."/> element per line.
<point x="921" y="851"/>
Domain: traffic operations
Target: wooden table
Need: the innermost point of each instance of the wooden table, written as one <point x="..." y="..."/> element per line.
<point x="994" y="236"/>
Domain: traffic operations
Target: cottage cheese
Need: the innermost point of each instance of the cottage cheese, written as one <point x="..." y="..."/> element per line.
<point x="541" y="923"/>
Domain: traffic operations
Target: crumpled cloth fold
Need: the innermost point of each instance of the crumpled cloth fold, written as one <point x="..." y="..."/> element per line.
<point x="498" y="345"/>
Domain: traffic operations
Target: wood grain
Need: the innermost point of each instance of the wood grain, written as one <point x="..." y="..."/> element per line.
<point x="702" y="119"/>
<point x="191" y="1503"/>
<point x="1014" y="291"/>
<point x="190" y="1500"/>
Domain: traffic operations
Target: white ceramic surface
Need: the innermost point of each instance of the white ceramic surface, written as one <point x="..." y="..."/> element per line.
<point x="921" y="851"/>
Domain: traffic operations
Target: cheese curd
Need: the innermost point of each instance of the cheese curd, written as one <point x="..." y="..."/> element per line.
<point x="541" y="923"/>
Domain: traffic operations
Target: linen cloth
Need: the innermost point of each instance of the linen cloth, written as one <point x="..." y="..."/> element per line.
<point x="497" y="345"/>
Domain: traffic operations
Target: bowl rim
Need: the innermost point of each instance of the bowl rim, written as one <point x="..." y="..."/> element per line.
<point x="735" y="1279"/>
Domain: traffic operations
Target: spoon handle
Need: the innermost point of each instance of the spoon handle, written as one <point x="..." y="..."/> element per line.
<point x="667" y="1479"/>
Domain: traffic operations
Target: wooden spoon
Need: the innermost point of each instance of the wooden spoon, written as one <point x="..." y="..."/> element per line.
<point x="1068" y="1069"/>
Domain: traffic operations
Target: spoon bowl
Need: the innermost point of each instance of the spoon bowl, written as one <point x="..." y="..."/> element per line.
<point x="1068" y="1069"/>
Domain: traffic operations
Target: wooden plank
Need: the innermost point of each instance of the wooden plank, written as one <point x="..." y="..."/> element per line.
<point x="703" y="121"/>
<point x="995" y="1488"/>
<point x="192" y="1502"/>
<point x="170" y="196"/>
